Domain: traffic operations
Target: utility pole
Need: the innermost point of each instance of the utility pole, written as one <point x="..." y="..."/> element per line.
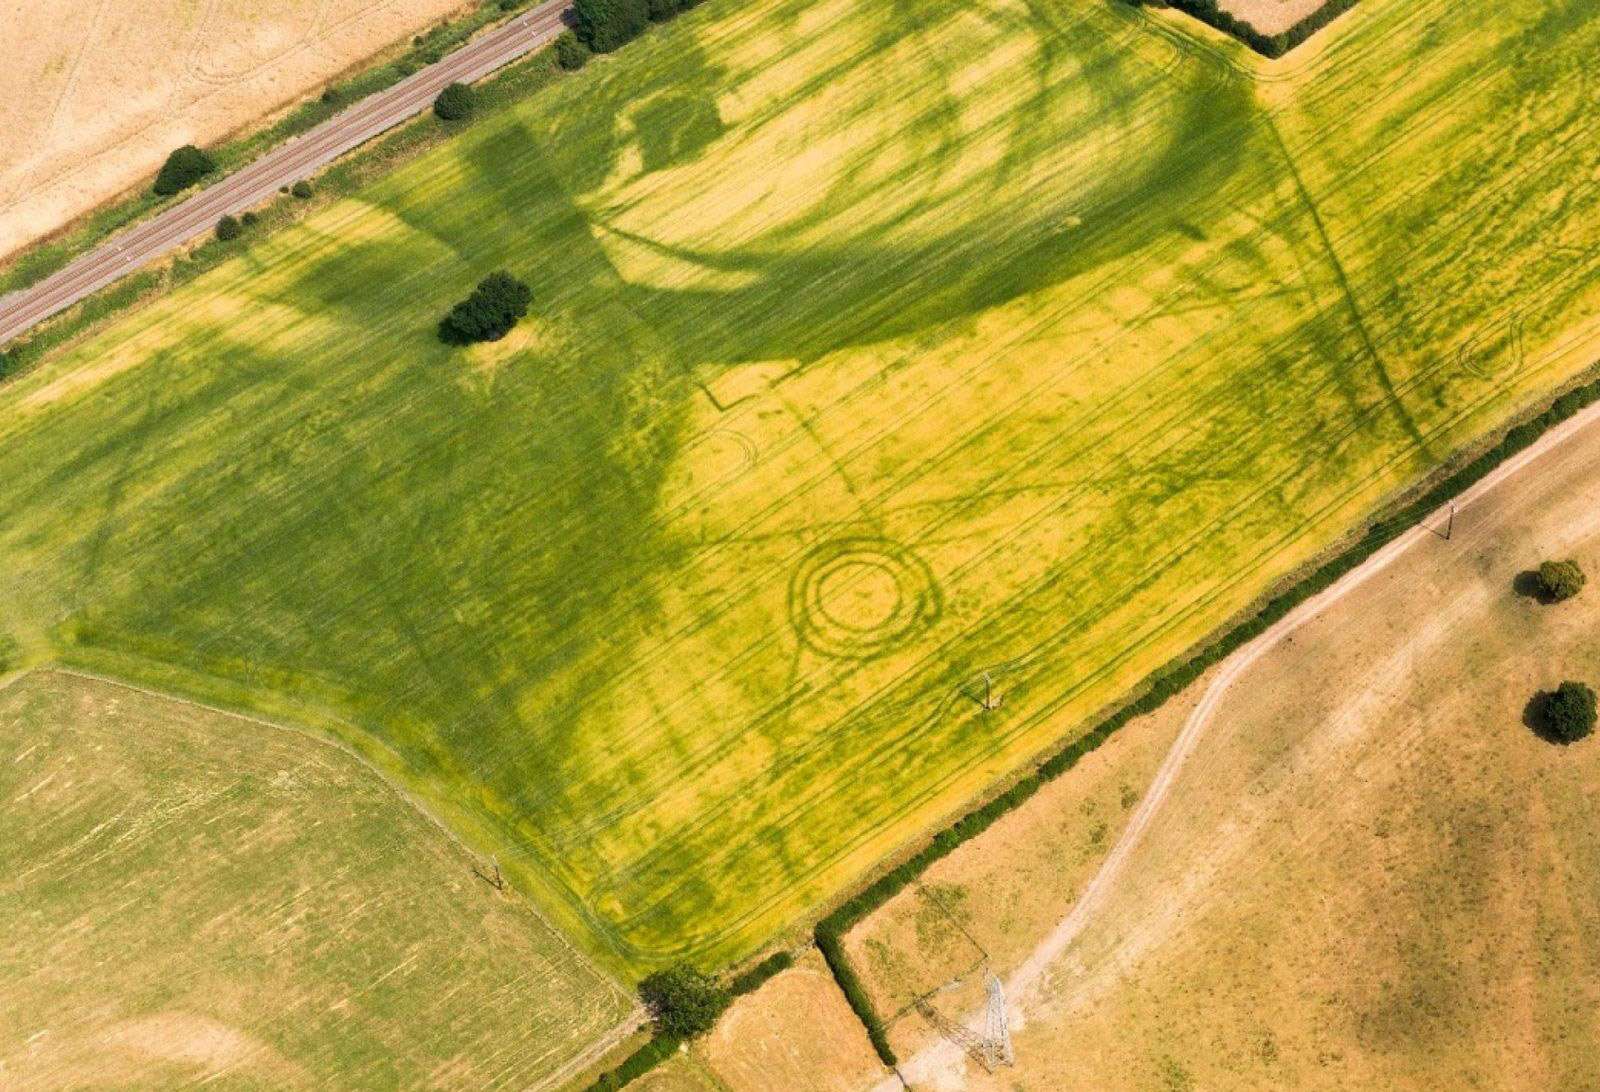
<point x="991" y="701"/>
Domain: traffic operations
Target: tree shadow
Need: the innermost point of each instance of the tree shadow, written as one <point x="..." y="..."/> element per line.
<point x="1528" y="585"/>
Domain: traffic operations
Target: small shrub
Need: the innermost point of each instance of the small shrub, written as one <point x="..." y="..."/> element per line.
<point x="248" y="219"/>
<point x="183" y="168"/>
<point x="604" y="25"/>
<point x="1565" y="714"/>
<point x="228" y="228"/>
<point x="301" y="189"/>
<point x="9" y="364"/>
<point x="455" y="102"/>
<point x="683" y="1002"/>
<point x="495" y="306"/>
<point x="1559" y="580"/>
<point x="330" y="96"/>
<point x="571" y="53"/>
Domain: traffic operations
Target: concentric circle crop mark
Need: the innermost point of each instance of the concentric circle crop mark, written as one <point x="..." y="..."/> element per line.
<point x="856" y="598"/>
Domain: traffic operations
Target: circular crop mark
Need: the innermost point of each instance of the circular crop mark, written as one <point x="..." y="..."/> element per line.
<point x="856" y="598"/>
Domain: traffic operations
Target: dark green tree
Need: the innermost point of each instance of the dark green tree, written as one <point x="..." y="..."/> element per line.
<point x="183" y="168"/>
<point x="571" y="53"/>
<point x="1560" y="580"/>
<point x="660" y="11"/>
<point x="228" y="228"/>
<point x="301" y="189"/>
<point x="1567" y="713"/>
<point x="606" y="24"/>
<point x="455" y="102"/>
<point x="683" y="1002"/>
<point x="495" y="306"/>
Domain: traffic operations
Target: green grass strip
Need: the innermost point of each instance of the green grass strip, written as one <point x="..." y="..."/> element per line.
<point x="1163" y="684"/>
<point x="51" y="255"/>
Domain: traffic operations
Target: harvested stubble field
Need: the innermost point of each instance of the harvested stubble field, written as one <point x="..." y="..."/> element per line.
<point x="92" y="101"/>
<point x="1370" y="874"/>
<point x="190" y="896"/>
<point x="875" y="346"/>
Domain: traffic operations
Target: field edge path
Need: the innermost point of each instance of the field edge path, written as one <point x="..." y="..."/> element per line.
<point x="943" y="1054"/>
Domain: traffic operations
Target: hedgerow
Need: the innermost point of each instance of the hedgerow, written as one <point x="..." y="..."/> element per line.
<point x="637" y="1064"/>
<point x="663" y="1046"/>
<point x="1164" y="684"/>
<point x="757" y="976"/>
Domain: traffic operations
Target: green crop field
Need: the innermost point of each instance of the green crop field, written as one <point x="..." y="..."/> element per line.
<point x="190" y="897"/>
<point x="875" y="345"/>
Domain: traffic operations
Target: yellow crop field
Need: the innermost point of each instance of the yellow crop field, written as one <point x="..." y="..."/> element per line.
<point x="875" y="348"/>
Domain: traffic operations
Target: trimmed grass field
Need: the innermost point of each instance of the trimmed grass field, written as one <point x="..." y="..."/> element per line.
<point x="190" y="896"/>
<point x="875" y="346"/>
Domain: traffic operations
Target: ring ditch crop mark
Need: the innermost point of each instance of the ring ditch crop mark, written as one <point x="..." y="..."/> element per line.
<point x="857" y="598"/>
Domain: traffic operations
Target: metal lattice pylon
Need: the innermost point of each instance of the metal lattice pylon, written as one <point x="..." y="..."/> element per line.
<point x="992" y="1048"/>
<point x="997" y="1035"/>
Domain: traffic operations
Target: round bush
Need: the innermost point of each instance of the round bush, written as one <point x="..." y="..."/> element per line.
<point x="301" y="189"/>
<point x="683" y="1002"/>
<point x="248" y="219"/>
<point x="495" y="306"/>
<point x="228" y="228"/>
<point x="1568" y="713"/>
<point x="183" y="168"/>
<point x="455" y="102"/>
<point x="1560" y="580"/>
<point x="571" y="54"/>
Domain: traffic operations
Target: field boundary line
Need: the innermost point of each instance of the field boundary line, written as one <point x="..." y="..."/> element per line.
<point x="1463" y="477"/>
<point x="1237" y="665"/>
<point x="340" y="745"/>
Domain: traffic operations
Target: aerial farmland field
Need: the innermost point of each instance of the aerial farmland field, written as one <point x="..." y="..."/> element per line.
<point x="192" y="897"/>
<point x="875" y="347"/>
<point x="91" y="104"/>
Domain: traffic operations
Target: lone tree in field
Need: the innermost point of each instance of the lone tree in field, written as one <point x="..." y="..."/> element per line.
<point x="683" y="1002"/>
<point x="183" y="168"/>
<point x="606" y="24"/>
<point x="228" y="228"/>
<point x="494" y="307"/>
<point x="455" y="102"/>
<point x="1560" y="580"/>
<point x="1567" y="713"/>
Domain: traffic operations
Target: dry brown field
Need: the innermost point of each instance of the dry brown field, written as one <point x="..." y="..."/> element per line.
<point x="1271" y="16"/>
<point x="755" y="1048"/>
<point x="191" y="898"/>
<point x="91" y="104"/>
<point x="1371" y="873"/>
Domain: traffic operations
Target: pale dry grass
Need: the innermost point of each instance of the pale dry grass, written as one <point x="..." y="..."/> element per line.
<point x="794" y="1032"/>
<point x="1271" y="16"/>
<point x="1372" y="874"/>
<point x="91" y="103"/>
